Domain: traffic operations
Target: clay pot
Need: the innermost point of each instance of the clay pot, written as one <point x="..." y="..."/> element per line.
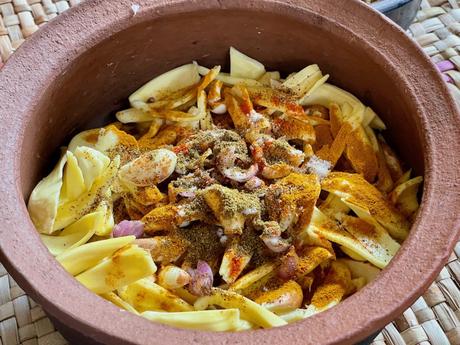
<point x="81" y="67"/>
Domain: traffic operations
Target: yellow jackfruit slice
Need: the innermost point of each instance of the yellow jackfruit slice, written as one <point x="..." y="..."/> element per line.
<point x="133" y="115"/>
<point x="106" y="222"/>
<point x="115" y="299"/>
<point x="357" y="193"/>
<point x="327" y="94"/>
<point x="332" y="290"/>
<point x="70" y="211"/>
<point x="227" y="79"/>
<point x="378" y="248"/>
<point x="301" y="82"/>
<point x="243" y="66"/>
<point x="44" y="200"/>
<point x="204" y="320"/>
<point x="145" y="295"/>
<point x="91" y="163"/>
<point x="124" y="267"/>
<point x="250" y="310"/>
<point x="361" y="269"/>
<point x="74" y="235"/>
<point x="298" y="314"/>
<point x="404" y="196"/>
<point x="178" y="78"/>
<point x="86" y="138"/>
<point x="79" y="259"/>
<point x="73" y="184"/>
<point x="252" y="277"/>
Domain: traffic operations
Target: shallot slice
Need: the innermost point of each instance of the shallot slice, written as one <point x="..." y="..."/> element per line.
<point x="128" y="227"/>
<point x="201" y="279"/>
<point x="288" y="264"/>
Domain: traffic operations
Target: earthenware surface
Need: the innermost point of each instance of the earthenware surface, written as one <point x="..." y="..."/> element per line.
<point x="87" y="61"/>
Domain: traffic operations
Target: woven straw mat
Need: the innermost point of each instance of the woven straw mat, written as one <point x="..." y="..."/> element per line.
<point x="432" y="319"/>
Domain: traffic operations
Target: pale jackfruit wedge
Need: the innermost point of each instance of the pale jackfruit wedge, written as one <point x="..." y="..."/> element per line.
<point x="182" y="99"/>
<point x="372" y="120"/>
<point x="86" y="138"/>
<point x="301" y="82"/>
<point x="154" y="129"/>
<point x="111" y="137"/>
<point x="115" y="299"/>
<point x="393" y="163"/>
<point x="404" y="178"/>
<point x="124" y="267"/>
<point x="228" y="79"/>
<point x="184" y="294"/>
<point x="252" y="277"/>
<point x="275" y="99"/>
<point x="73" y="184"/>
<point x="70" y="211"/>
<point x="316" y="85"/>
<point x="296" y="315"/>
<point x="267" y="78"/>
<point x="207" y="79"/>
<point x="234" y="261"/>
<point x="250" y="310"/>
<point x="333" y="207"/>
<point x="404" y="196"/>
<point x="133" y="115"/>
<point x="359" y="150"/>
<point x="204" y="320"/>
<point x="239" y="118"/>
<point x="243" y="66"/>
<point x="355" y="190"/>
<point x="44" y="200"/>
<point x="145" y="295"/>
<point x="361" y="154"/>
<point x="361" y="269"/>
<point x="173" y="80"/>
<point x="328" y="229"/>
<point x="335" y="286"/>
<point x="92" y="163"/>
<point x="372" y="236"/>
<point x="288" y="296"/>
<point x="81" y="258"/>
<point x="384" y="179"/>
<point x="326" y="94"/>
<point x="352" y="254"/>
<point x="74" y="235"/>
<point x="107" y="221"/>
<point x="245" y="326"/>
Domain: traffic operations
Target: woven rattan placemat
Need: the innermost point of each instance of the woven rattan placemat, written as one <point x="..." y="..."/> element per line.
<point x="432" y="319"/>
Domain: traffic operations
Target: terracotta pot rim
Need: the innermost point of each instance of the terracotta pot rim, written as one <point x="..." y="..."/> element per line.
<point x="88" y="24"/>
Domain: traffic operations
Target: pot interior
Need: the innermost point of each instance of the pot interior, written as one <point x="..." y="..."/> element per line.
<point x="99" y="81"/>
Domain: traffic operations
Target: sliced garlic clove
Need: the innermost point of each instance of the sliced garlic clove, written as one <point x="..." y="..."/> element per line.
<point x="150" y="168"/>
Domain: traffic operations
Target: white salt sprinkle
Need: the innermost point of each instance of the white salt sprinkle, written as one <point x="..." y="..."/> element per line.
<point x="254" y="116"/>
<point x="248" y="211"/>
<point x="319" y="167"/>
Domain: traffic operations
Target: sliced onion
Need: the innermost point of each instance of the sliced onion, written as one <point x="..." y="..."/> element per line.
<point x="127" y="228"/>
<point x="201" y="279"/>
<point x="288" y="266"/>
